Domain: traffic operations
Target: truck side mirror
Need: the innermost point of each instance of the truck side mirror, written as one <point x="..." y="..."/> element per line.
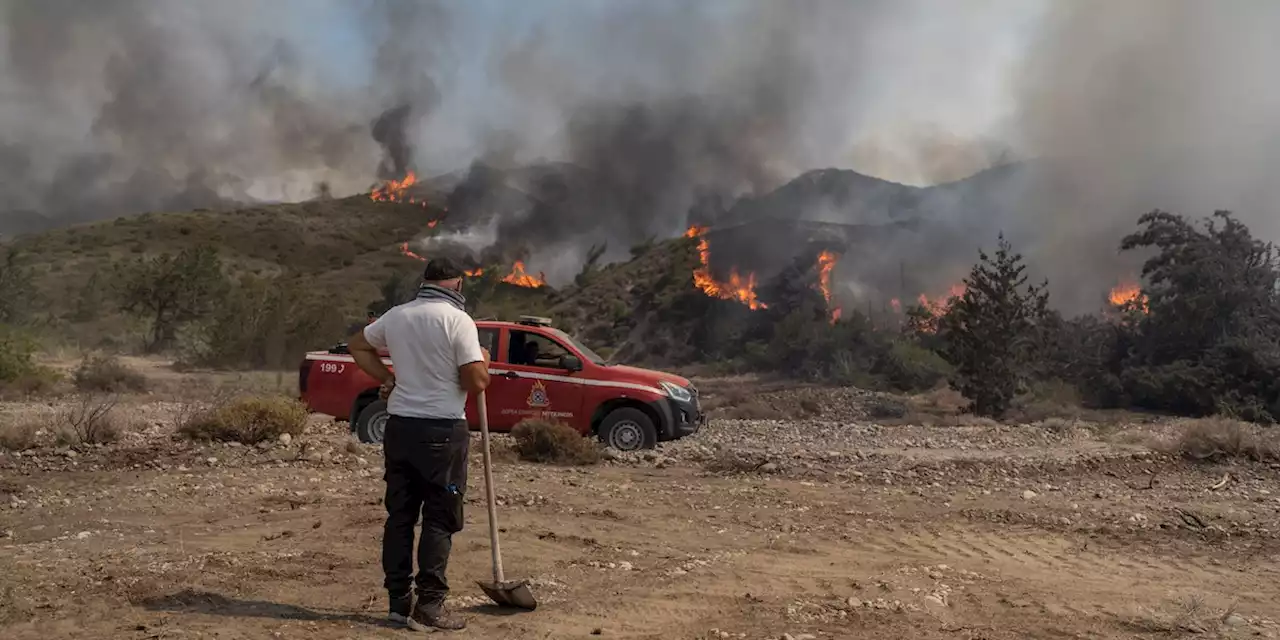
<point x="570" y="363"/>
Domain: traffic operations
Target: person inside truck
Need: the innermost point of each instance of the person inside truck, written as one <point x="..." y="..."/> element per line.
<point x="531" y="353"/>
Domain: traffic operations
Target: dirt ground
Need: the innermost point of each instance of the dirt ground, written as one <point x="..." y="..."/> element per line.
<point x="751" y="529"/>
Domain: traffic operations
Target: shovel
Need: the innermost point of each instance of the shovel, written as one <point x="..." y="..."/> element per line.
<point x="514" y="593"/>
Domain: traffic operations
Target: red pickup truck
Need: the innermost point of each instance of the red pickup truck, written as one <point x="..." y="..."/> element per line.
<point x="537" y="371"/>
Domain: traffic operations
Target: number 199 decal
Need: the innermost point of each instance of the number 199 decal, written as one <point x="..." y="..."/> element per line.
<point x="332" y="367"/>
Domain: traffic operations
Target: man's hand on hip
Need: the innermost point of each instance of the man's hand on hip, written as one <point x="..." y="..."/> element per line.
<point x="387" y="387"/>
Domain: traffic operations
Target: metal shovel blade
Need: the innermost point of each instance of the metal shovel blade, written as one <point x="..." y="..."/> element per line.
<point x="513" y="593"/>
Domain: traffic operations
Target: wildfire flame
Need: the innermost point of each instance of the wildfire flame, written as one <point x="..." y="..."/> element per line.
<point x="935" y="307"/>
<point x="736" y="288"/>
<point x="1128" y="294"/>
<point x="404" y="250"/>
<point x="827" y="264"/>
<point x="394" y="190"/>
<point x="939" y="305"/>
<point x="521" y="279"/>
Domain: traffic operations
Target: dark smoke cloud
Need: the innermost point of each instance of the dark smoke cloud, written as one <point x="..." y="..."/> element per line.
<point x="572" y="124"/>
<point x="124" y="106"/>
<point x="673" y="111"/>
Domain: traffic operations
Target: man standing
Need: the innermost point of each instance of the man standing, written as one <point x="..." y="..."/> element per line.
<point x="436" y="351"/>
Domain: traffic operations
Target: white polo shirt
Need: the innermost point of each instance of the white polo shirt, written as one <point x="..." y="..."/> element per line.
<point x="428" y="340"/>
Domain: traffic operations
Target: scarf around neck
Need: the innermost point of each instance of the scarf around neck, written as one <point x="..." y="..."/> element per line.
<point x="440" y="294"/>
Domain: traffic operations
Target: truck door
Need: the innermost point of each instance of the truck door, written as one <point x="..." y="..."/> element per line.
<point x="531" y="384"/>
<point x="488" y="340"/>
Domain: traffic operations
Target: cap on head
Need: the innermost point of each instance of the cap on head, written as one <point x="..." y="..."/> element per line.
<point x="440" y="269"/>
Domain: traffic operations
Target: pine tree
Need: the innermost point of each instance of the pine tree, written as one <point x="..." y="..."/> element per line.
<point x="989" y="333"/>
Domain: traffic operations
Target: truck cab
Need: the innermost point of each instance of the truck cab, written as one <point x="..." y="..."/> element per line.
<point x="536" y="372"/>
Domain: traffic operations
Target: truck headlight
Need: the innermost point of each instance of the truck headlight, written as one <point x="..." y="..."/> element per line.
<point x="676" y="392"/>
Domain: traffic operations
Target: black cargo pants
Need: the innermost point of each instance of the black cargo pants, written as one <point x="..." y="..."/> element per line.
<point x="426" y="472"/>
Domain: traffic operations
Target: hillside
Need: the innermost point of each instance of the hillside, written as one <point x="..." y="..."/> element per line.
<point x="347" y="245"/>
<point x="645" y="306"/>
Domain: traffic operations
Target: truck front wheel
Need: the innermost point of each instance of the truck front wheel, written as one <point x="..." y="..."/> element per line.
<point x="628" y="429"/>
<point x="371" y="424"/>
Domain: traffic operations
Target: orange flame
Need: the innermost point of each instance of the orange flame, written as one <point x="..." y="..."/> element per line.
<point x="826" y="264"/>
<point x="737" y="288"/>
<point x="404" y="250"/>
<point x="1128" y="294"/>
<point x="521" y="279"/>
<point x="474" y="273"/>
<point x="394" y="190"/>
<point x="939" y="305"/>
<point x="934" y="308"/>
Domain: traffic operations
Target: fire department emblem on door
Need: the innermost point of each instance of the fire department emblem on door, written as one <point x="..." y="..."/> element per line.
<point x="538" y="398"/>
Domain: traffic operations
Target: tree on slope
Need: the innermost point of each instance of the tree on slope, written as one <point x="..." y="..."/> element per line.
<point x="989" y="333"/>
<point x="171" y="290"/>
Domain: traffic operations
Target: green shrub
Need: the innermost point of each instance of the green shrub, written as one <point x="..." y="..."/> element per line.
<point x="109" y="375"/>
<point x="554" y="443"/>
<point x="248" y="420"/>
<point x="909" y="367"/>
<point x="19" y="373"/>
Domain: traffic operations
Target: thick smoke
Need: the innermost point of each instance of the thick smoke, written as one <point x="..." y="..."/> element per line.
<point x="124" y="106"/>
<point x="572" y="124"/>
<point x="1146" y="104"/>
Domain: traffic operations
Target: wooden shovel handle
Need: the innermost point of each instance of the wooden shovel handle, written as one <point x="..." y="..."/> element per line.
<point x="495" y="549"/>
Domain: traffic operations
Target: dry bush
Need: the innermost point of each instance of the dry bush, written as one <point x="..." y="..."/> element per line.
<point x="1216" y="439"/>
<point x="109" y="375"/>
<point x="89" y="419"/>
<point x="810" y="407"/>
<point x="752" y="409"/>
<point x="247" y="420"/>
<point x="553" y="442"/>
<point x="17" y="436"/>
<point x="1056" y="425"/>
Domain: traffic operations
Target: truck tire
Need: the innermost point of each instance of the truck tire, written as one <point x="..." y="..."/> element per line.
<point x="372" y="422"/>
<point x="628" y="429"/>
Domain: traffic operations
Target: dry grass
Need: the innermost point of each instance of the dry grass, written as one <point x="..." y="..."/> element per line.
<point x="315" y="237"/>
<point x="554" y="443"/>
<point x="247" y="420"/>
<point x="108" y="374"/>
<point x="1218" y="439"/>
<point x="90" y="419"/>
<point x="17" y="435"/>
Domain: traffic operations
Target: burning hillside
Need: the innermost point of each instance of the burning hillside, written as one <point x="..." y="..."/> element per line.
<point x="737" y="287"/>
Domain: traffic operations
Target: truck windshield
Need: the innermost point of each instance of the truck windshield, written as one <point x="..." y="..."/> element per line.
<point x="590" y="355"/>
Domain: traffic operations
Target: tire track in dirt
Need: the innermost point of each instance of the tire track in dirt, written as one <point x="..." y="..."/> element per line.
<point x="1024" y="569"/>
